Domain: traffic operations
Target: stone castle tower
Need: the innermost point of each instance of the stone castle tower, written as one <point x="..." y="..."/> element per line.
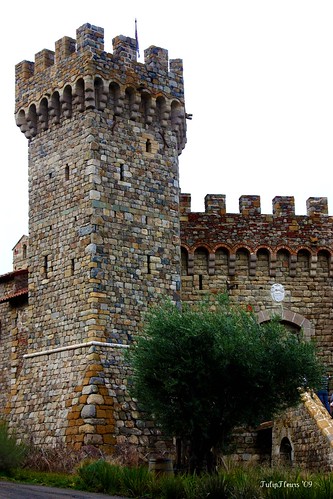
<point x="110" y="232"/>
<point x="104" y="135"/>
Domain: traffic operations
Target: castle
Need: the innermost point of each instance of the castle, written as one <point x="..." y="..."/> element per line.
<point x="110" y="232"/>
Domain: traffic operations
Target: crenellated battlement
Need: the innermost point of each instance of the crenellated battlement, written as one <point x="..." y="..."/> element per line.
<point x="251" y="231"/>
<point x="79" y="75"/>
<point x="108" y="238"/>
<point x="283" y="206"/>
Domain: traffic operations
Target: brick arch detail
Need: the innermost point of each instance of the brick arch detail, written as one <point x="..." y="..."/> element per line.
<point x="291" y="317"/>
<point x="241" y="246"/>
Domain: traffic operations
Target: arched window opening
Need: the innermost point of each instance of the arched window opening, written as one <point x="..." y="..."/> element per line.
<point x="55" y="108"/>
<point x="221" y="262"/>
<point x="99" y="100"/>
<point x="79" y="95"/>
<point x="292" y="327"/>
<point x="282" y="263"/>
<point x="303" y="262"/>
<point x="114" y="99"/>
<point x="242" y="262"/>
<point x="145" y="106"/>
<point x="285" y="452"/>
<point x="66" y="102"/>
<point x="32" y="120"/>
<point x="201" y="261"/>
<point x="129" y="102"/>
<point x="263" y="258"/>
<point x="160" y="110"/>
<point x="175" y="114"/>
<point x="323" y="265"/>
<point x="178" y="123"/>
<point x="43" y="114"/>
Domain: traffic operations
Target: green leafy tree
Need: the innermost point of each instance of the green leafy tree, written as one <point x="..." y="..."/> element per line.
<point x="203" y="370"/>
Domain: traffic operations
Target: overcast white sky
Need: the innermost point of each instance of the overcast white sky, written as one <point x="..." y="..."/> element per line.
<point x="258" y="81"/>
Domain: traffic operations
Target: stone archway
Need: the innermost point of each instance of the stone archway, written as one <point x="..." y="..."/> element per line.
<point x="287" y="316"/>
<point x="286" y="452"/>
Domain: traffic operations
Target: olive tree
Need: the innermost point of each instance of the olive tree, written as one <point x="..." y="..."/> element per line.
<point x="203" y="370"/>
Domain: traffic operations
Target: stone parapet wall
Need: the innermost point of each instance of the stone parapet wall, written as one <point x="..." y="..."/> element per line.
<point x="83" y="76"/>
<point x="245" y="254"/>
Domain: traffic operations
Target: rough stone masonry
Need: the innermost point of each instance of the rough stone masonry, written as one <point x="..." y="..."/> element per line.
<point x="110" y="233"/>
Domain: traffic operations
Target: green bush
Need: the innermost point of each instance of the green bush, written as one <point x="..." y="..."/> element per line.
<point x="235" y="483"/>
<point x="168" y="487"/>
<point x="100" y="476"/>
<point x="136" y="481"/>
<point x="11" y="453"/>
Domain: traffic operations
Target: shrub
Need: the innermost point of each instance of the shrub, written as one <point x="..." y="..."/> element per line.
<point x="100" y="476"/>
<point x="136" y="481"/>
<point x="11" y="453"/>
<point x="168" y="487"/>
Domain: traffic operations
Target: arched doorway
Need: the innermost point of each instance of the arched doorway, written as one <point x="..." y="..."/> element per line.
<point x="286" y="452"/>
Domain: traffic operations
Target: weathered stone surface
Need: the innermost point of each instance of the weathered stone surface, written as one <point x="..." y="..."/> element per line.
<point x="110" y="232"/>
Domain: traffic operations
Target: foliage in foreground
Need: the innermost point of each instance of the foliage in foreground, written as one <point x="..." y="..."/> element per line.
<point x="234" y="482"/>
<point x="11" y="453"/>
<point x="203" y="370"/>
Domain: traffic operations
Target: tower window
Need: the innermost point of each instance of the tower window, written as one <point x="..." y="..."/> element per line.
<point x="200" y="281"/>
<point x="72" y="266"/>
<point x="66" y="173"/>
<point x="46" y="265"/>
<point x="148" y="145"/>
<point x="121" y="172"/>
<point x="148" y="265"/>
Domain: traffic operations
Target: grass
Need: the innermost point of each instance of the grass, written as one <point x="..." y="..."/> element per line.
<point x="137" y="482"/>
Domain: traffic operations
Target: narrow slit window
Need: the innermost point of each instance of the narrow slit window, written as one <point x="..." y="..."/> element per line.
<point x="122" y="172"/>
<point x="148" y="145"/>
<point x="72" y="266"/>
<point x="148" y="265"/>
<point x="66" y="173"/>
<point x="200" y="281"/>
<point x="46" y="265"/>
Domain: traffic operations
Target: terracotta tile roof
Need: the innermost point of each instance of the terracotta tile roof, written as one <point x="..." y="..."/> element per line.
<point x="11" y="275"/>
<point x="21" y="292"/>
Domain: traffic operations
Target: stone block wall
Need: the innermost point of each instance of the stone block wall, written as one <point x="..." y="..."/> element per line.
<point x="104" y="137"/>
<point x="244" y="254"/>
<point x="109" y="233"/>
<point x="77" y="396"/>
<point x="309" y="430"/>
